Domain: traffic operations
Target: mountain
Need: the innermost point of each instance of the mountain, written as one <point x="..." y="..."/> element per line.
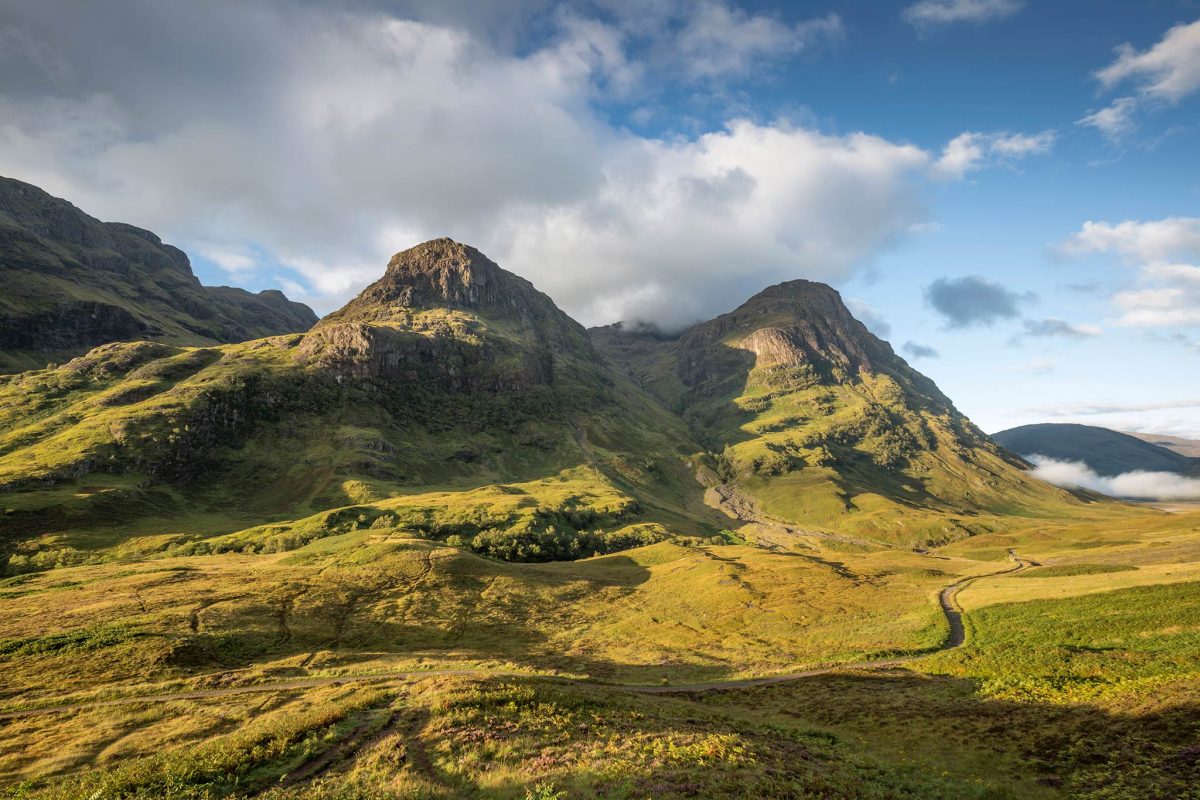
<point x="818" y="422"/>
<point x="450" y="396"/>
<point x="72" y="282"/>
<point x="312" y="539"/>
<point x="453" y="398"/>
<point x="1105" y="451"/>
<point x="1176" y="444"/>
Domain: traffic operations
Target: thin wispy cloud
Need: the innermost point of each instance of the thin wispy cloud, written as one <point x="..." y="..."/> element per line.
<point x="1053" y="328"/>
<point x="971" y="151"/>
<point x="1095" y="409"/>
<point x="1115" y="121"/>
<point x="937" y="13"/>
<point x="1166" y="72"/>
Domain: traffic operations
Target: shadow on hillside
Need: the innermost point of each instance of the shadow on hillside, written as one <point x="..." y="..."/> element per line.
<point x="467" y="608"/>
<point x="939" y="720"/>
<point x="714" y="413"/>
<point x="711" y="387"/>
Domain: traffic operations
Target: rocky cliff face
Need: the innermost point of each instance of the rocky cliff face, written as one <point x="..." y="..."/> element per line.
<point x="445" y="362"/>
<point x="73" y="282"/>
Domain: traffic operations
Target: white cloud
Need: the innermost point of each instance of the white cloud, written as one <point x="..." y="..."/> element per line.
<point x="970" y="151"/>
<point x="696" y="226"/>
<point x="1115" y="121"/>
<point x="1147" y="242"/>
<point x="325" y="141"/>
<point x="1138" y="484"/>
<point x="234" y="262"/>
<point x="718" y="40"/>
<point x="929" y="13"/>
<point x="1170" y="70"/>
<point x="1169" y="292"/>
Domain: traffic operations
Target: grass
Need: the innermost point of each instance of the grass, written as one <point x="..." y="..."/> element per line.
<point x="1090" y="693"/>
<point x="1083" y="648"/>
<point x="181" y="519"/>
<point x="492" y="739"/>
<point x="372" y="599"/>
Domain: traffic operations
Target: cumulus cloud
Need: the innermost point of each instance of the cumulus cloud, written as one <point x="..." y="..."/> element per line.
<point x="930" y="13"/>
<point x="677" y="229"/>
<point x="973" y="300"/>
<point x="1138" y="485"/>
<point x="971" y="151"/>
<point x="1148" y="242"/>
<point x="1169" y="70"/>
<point x="322" y="141"/>
<point x="1169" y="290"/>
<point x="918" y="351"/>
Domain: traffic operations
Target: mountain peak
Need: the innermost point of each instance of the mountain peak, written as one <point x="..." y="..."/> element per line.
<point x="443" y="274"/>
<point x="793" y="323"/>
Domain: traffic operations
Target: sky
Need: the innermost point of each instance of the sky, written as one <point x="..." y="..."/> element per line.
<point x="1006" y="190"/>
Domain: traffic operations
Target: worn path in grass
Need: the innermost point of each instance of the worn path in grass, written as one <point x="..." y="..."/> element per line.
<point x="947" y="600"/>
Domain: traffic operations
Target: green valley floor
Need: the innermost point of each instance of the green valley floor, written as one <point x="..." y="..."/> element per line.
<point x="369" y="664"/>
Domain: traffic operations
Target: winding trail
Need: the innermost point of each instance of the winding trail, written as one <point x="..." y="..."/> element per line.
<point x="947" y="600"/>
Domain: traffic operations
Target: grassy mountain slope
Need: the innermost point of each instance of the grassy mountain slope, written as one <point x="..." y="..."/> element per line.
<point x="822" y="424"/>
<point x="449" y="383"/>
<point x="72" y="282"/>
<point x="1105" y="451"/>
<point x="419" y="483"/>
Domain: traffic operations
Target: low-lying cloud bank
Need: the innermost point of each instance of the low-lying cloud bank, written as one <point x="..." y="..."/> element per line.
<point x="1139" y="484"/>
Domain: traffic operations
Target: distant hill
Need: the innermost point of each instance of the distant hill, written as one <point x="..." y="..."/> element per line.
<point x="1105" y="451"/>
<point x="72" y="282"/>
<point x="1176" y="444"/>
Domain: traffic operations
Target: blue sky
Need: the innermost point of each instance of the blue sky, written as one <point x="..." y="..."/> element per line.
<point x="938" y="161"/>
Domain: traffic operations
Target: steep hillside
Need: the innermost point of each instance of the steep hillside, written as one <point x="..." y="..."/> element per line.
<point x="449" y="383"/>
<point x="1105" y="451"/>
<point x="72" y="282"/>
<point x="819" y="423"/>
